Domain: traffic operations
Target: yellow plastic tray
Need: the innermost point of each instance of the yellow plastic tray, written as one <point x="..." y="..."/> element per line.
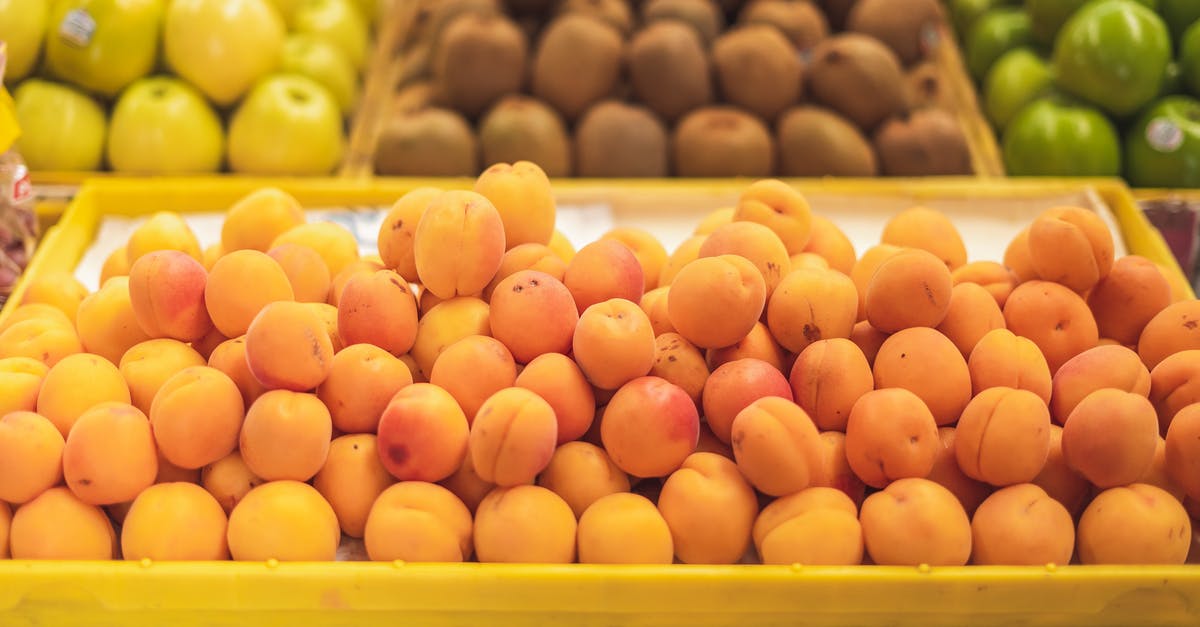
<point x="355" y="593"/>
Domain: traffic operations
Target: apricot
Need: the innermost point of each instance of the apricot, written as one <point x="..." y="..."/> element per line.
<point x="687" y="252"/>
<point x="35" y="311"/>
<point x="1175" y="384"/>
<point x="524" y="524"/>
<point x="947" y="473"/>
<point x="197" y="416"/>
<point x="868" y="339"/>
<point x="57" y="525"/>
<point x="972" y="314"/>
<point x="458" y="244"/>
<point x="990" y="275"/>
<point x="1002" y="359"/>
<point x="1003" y="437"/>
<point x="714" y="219"/>
<point x="467" y="486"/>
<point x="1020" y="525"/>
<point x="109" y="455"/>
<point x="416" y="521"/>
<point x="1175" y="328"/>
<point x="305" y="270"/>
<point x="174" y="521"/>
<point x="286" y="435"/>
<point x="398" y="230"/>
<point x="76" y="384"/>
<point x="758" y="344"/>
<point x="146" y="366"/>
<point x="31" y="451"/>
<point x="166" y="289"/>
<point x="512" y="437"/>
<point x="817" y="526"/>
<point x="915" y="521"/>
<point x="650" y="427"/>
<point x="830" y="242"/>
<point x="623" y="528"/>
<point x="926" y="363"/>
<point x="55" y="288"/>
<point x="1130" y="296"/>
<point x="929" y="230"/>
<point x="834" y="471"/>
<point x="20" y="381"/>
<point x="533" y="314"/>
<point x="1096" y="368"/>
<point x="351" y="480"/>
<point x="444" y="325"/>
<point x="1063" y="483"/>
<point x="163" y="230"/>
<point x="1157" y="474"/>
<point x="891" y="435"/>
<point x="422" y="434"/>
<point x="779" y="207"/>
<point x="581" y="473"/>
<point x="283" y="520"/>
<point x="708" y="443"/>
<point x="537" y="257"/>
<point x="757" y="243"/>
<point x="5" y="526"/>
<point x="829" y="376"/>
<point x="106" y="322"/>
<point x="811" y="305"/>
<point x="654" y="303"/>
<point x="1055" y="318"/>
<point x="358" y="267"/>
<point x="559" y="381"/>
<point x="240" y="285"/>
<point x="229" y="479"/>
<point x="911" y="288"/>
<point x="335" y="243"/>
<point x="230" y="357"/>
<point x="45" y="340"/>
<point x="207" y="344"/>
<point x="1071" y="246"/>
<point x="715" y="301"/>
<point x="1134" y="524"/>
<point x="646" y="248"/>
<point x="776" y="446"/>
<point x="864" y="270"/>
<point x="287" y="347"/>
<point x="710" y="510"/>
<point x="117" y="264"/>
<point x="681" y="363"/>
<point x="362" y="379"/>
<point x="1017" y="258"/>
<point x="522" y="196"/>
<point x="613" y="343"/>
<point x="1182" y="450"/>
<point x="733" y="386"/>
<point x="256" y="219"/>
<point x="1110" y="436"/>
<point x="472" y="369"/>
<point x="378" y="309"/>
<point x="604" y="270"/>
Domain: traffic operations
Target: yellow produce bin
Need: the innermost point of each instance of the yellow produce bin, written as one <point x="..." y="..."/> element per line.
<point x="133" y="594"/>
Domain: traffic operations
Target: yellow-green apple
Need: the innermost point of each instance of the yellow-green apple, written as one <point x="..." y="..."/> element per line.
<point x="223" y="47"/>
<point x="103" y="45"/>
<point x="322" y="61"/>
<point x="162" y="125"/>
<point x="1057" y="136"/>
<point x="23" y="26"/>
<point x="287" y="125"/>
<point x="339" y="21"/>
<point x="61" y="127"/>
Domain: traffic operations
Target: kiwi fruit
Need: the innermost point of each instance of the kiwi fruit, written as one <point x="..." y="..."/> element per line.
<point x="722" y="141"/>
<point x="836" y="11"/>
<point x="618" y="139"/>
<point x="926" y="142"/>
<point x="615" y="13"/>
<point x="577" y="63"/>
<point x="703" y="15"/>
<point x="814" y="141"/>
<point x="927" y="87"/>
<point x="669" y="69"/>
<point x="427" y="142"/>
<point x="857" y="76"/>
<point x="520" y="128"/>
<point x="802" y="22"/>
<point x="905" y="26"/>
<point x="433" y="16"/>
<point x="758" y="69"/>
<point x="479" y="58"/>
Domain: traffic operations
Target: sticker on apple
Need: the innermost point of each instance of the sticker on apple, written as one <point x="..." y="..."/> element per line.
<point x="930" y="37"/>
<point x="1164" y="135"/>
<point x="77" y="28"/>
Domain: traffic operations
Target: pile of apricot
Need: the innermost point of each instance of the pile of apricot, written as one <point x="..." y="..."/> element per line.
<point x="480" y="390"/>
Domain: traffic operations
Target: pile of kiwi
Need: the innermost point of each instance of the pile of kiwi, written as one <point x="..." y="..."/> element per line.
<point x="693" y="88"/>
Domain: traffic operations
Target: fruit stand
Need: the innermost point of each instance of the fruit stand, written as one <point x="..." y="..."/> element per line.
<point x="598" y="312"/>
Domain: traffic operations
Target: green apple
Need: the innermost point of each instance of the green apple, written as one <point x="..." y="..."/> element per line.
<point x="23" y="26"/>
<point x="339" y="21"/>
<point x="1016" y="79"/>
<point x="1114" y="54"/>
<point x="103" y="45"/>
<point x="162" y="125"/>
<point x="325" y="63"/>
<point x="223" y="46"/>
<point x="993" y="34"/>
<point x="288" y="125"/>
<point x="1189" y="59"/>
<point x="1179" y="15"/>
<point x="1163" y="148"/>
<point x="963" y="13"/>
<point x="1055" y="137"/>
<point x="61" y="127"/>
<point x="1172" y="80"/>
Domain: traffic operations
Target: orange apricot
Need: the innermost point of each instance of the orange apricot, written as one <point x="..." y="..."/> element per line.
<point x="947" y="473"/>
<point x="228" y="480"/>
<point x="196" y="416"/>
<point x="521" y="193"/>
<point x="681" y="363"/>
<point x="335" y="243"/>
<point x="76" y="384"/>
<point x="811" y="305"/>
<point x="458" y="244"/>
<point x="524" y="524"/>
<point x="472" y="369"/>
<point x="396" y="233"/>
<point x="1175" y="384"/>
<point x="283" y="520"/>
<point x="166" y="289"/>
<point x="58" y="525"/>
<point x="106" y="322"/>
<point x="47" y="341"/>
<point x="285" y="436"/>
<point x="733" y="386"/>
<point x="776" y="446"/>
<point x="829" y="376"/>
<point x="687" y="252"/>
<point x="378" y="309"/>
<point x="715" y="301"/>
<point x="422" y="434"/>
<point x="646" y="248"/>
<point x="915" y="521"/>
<point x="779" y="207"/>
<point x="1002" y="359"/>
<point x="31" y="451"/>
<point x="230" y="357"/>
<point x="603" y="270"/>
<point x="174" y="521"/>
<point x="537" y="257"/>
<point x="926" y="363"/>
<point x="1071" y="246"/>
<point x="533" y="314"/>
<point x="1128" y="298"/>
<point x="972" y="314"/>
<point x="416" y="521"/>
<point x="239" y="286"/>
<point x="1003" y="437"/>
<point x="891" y="435"/>
<point x="710" y="510"/>
<point x="1022" y="526"/>
<point x="911" y="288"/>
<point x="650" y="427"/>
<point x="1134" y="524"/>
<point x="559" y="381"/>
<point x="830" y="242"/>
<point x="613" y="343"/>
<point x="757" y="243"/>
<point x="817" y="526"/>
<point x="512" y="437"/>
<point x="109" y="455"/>
<point x="1055" y="318"/>
<point x="1096" y="368"/>
<point x="305" y="270"/>
<point x="989" y="275"/>
<point x="759" y="343"/>
<point x="288" y="347"/>
<point x="1063" y="483"/>
<point x="256" y="219"/>
<point x="928" y="230"/>
<point x="352" y="479"/>
<point x="582" y="473"/>
<point x="623" y="528"/>
<point x="1110" y="437"/>
<point x="362" y="379"/>
<point x="445" y="324"/>
<point x="1175" y="328"/>
<point x="1182" y="450"/>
